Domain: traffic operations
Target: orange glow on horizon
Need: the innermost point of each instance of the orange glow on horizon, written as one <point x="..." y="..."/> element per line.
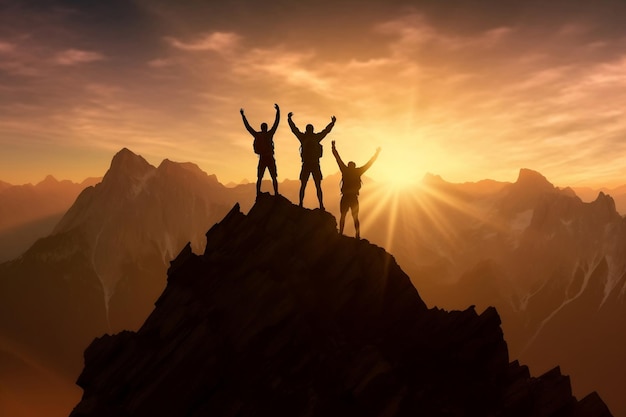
<point x="456" y="104"/>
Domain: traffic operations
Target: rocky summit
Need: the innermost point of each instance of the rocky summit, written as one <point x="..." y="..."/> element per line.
<point x="283" y="316"/>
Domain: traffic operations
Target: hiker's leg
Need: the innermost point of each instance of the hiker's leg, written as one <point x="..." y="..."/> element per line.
<point x="259" y="175"/>
<point x="318" y="185"/>
<point x="274" y="174"/>
<point x="343" y="209"/>
<point x="355" y="216"/>
<point x="304" y="177"/>
<point x="317" y="177"/>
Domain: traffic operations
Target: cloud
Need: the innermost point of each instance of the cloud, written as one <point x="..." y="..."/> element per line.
<point x="160" y="63"/>
<point x="413" y="32"/>
<point x="6" y="47"/>
<point x="611" y="74"/>
<point x="477" y="101"/>
<point x="103" y="90"/>
<point x="16" y="67"/>
<point x="493" y="37"/>
<point x="222" y="42"/>
<point x="410" y="31"/>
<point x="77" y="56"/>
<point x="297" y="69"/>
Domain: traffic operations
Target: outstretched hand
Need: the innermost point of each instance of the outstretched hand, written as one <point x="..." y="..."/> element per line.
<point x="333" y="143"/>
<point x="378" y="150"/>
<point x="241" y="111"/>
<point x="276" y="106"/>
<point x="290" y="114"/>
<point x="334" y="119"/>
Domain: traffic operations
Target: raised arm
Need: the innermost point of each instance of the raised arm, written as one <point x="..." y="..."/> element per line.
<point x="275" y="126"/>
<point x="328" y="128"/>
<point x="246" y="124"/>
<point x="370" y="162"/>
<point x="292" y="125"/>
<point x="342" y="166"/>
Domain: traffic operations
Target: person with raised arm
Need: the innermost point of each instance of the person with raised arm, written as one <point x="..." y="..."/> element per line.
<point x="264" y="147"/>
<point x="311" y="151"/>
<point x="350" y="187"/>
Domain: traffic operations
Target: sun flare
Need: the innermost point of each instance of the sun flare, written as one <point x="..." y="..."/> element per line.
<point x="400" y="182"/>
<point x="399" y="170"/>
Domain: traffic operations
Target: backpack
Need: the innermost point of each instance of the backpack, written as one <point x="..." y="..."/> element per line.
<point x="262" y="145"/>
<point x="311" y="151"/>
<point x="351" y="183"/>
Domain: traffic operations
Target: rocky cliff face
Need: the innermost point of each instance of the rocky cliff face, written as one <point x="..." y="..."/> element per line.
<point x="283" y="316"/>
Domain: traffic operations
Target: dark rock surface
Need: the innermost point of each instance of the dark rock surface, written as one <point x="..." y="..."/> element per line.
<point x="283" y="316"/>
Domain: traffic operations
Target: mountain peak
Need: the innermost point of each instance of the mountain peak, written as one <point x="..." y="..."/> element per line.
<point x="128" y="164"/>
<point x="167" y="164"/>
<point x="125" y="155"/>
<point x="48" y="180"/>
<point x="185" y="170"/>
<point x="281" y="315"/>
<point x="530" y="188"/>
<point x="606" y="204"/>
<point x="528" y="177"/>
<point x="50" y="183"/>
<point x="430" y="178"/>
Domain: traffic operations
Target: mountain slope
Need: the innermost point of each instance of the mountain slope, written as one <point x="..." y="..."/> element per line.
<point x="549" y="262"/>
<point x="29" y="212"/>
<point x="105" y="263"/>
<point x="135" y="221"/>
<point x="282" y="316"/>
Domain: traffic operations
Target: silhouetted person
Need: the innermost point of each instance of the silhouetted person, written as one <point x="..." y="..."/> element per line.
<point x="311" y="152"/>
<point x="264" y="146"/>
<point x="350" y="186"/>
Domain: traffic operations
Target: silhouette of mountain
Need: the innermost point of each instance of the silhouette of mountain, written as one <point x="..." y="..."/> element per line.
<point x="29" y="212"/>
<point x="537" y="253"/>
<point x="618" y="194"/>
<point x="232" y="184"/>
<point x="283" y="316"/>
<point x="135" y="221"/>
<point x="105" y="263"/>
<point x="4" y="185"/>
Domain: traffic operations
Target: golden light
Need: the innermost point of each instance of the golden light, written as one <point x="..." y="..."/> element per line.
<point x="399" y="168"/>
<point x="418" y="210"/>
<point x="398" y="181"/>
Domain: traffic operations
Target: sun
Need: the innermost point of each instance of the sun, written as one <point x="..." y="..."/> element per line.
<point x="400" y="181"/>
<point x="398" y="173"/>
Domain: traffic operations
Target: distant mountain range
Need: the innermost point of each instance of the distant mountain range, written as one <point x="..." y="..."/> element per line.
<point x="551" y="264"/>
<point x="617" y="193"/>
<point x="28" y="212"/>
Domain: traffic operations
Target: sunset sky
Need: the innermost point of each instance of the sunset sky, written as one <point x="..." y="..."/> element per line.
<point x="463" y="89"/>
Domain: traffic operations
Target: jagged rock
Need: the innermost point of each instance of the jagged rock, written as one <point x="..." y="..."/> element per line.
<point x="283" y="316"/>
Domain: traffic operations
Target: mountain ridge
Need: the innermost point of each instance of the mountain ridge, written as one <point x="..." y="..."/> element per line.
<point x="443" y="232"/>
<point x="331" y="326"/>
